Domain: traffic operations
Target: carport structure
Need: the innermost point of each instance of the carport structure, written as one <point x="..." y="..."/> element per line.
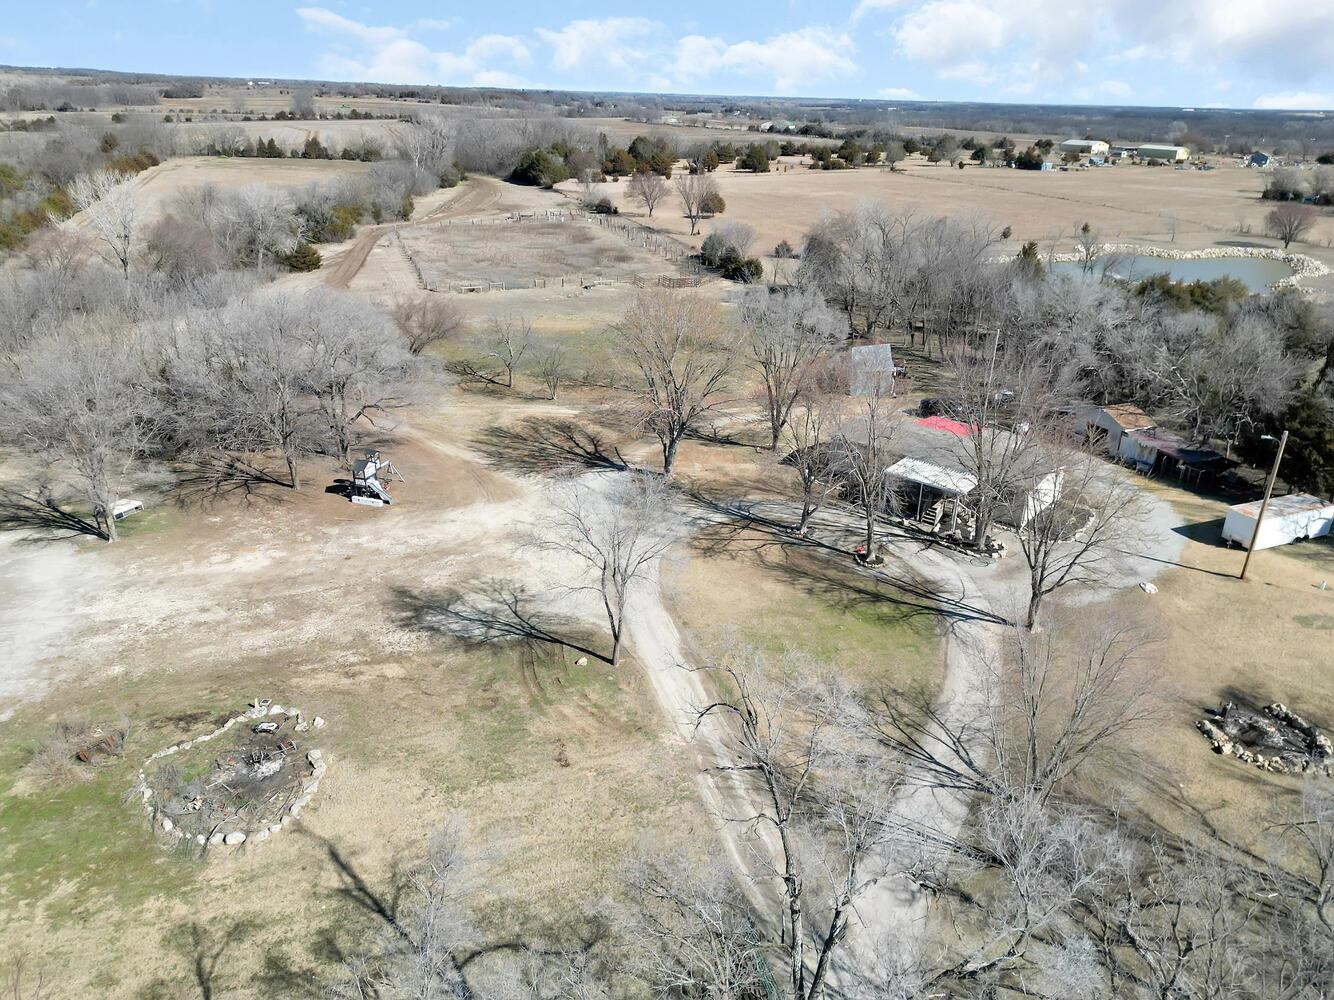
<point x="949" y="484"/>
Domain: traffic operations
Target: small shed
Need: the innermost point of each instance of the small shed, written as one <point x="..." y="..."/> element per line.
<point x="1156" y="452"/>
<point x="871" y="370"/>
<point x="1261" y="160"/>
<point x="1289" y="518"/>
<point x="942" y="484"/>
<point x="1111" y="422"/>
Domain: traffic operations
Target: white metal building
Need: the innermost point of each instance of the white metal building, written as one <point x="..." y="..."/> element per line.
<point x="1084" y="147"/>
<point x="1161" y="151"/>
<point x="1289" y="518"/>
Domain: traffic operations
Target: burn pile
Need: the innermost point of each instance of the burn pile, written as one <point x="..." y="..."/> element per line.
<point x="1273" y="739"/>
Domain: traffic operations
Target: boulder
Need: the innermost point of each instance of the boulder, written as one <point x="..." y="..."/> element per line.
<point x="314" y="757"/>
<point x="317" y="722"/>
<point x="167" y="824"/>
<point x="215" y="840"/>
<point x="260" y="837"/>
<point x="234" y="838"/>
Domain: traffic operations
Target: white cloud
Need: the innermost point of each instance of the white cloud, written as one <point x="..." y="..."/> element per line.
<point x="810" y="54"/>
<point x="900" y="94"/>
<point x="865" y="7"/>
<point x="434" y="23"/>
<point x="387" y="54"/>
<point x="590" y="42"/>
<point x="1297" y="100"/>
<point x="320" y="17"/>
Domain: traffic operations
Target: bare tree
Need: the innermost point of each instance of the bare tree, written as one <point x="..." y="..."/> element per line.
<point x="82" y="401"/>
<point x="864" y="457"/>
<point x="358" y="368"/>
<point x="675" y="341"/>
<point x="60" y="248"/>
<point x="789" y="335"/>
<point x="689" y="929"/>
<point x="694" y="191"/>
<point x="647" y="188"/>
<point x="554" y="367"/>
<point x="428" y="147"/>
<point x="1051" y="705"/>
<point x="1088" y="245"/>
<point x="813" y="454"/>
<point x="1289" y="222"/>
<point x="511" y="336"/>
<point x="616" y="527"/>
<point x="111" y="206"/>
<point x="822" y="810"/>
<point x="427" y="320"/>
<point x="1080" y="517"/>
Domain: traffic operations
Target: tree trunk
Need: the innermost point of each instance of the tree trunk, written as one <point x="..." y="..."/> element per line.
<point x="292" y="473"/>
<point x="1034" y="606"/>
<point x="669" y="455"/>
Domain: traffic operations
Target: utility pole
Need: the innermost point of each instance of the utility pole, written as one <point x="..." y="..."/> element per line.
<point x="1264" y="504"/>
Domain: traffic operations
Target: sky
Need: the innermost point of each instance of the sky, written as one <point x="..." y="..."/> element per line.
<point x="1189" y="53"/>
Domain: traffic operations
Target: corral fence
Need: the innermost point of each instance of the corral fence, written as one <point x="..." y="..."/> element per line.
<point x="574" y="281"/>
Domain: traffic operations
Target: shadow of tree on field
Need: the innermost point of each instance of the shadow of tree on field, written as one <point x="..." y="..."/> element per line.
<point x="214" y="477"/>
<point x="500" y="611"/>
<point x="43" y="512"/>
<point x="203" y="948"/>
<point x="543" y="445"/>
<point x="824" y="569"/>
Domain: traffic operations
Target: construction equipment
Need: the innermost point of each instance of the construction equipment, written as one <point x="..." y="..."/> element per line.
<point x="369" y="476"/>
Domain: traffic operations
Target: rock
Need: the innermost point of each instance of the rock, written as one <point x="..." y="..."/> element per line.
<point x="276" y="710"/>
<point x="167" y="824"/>
<point x="265" y="727"/>
<point x="1147" y="587"/>
<point x="317" y="722"/>
<point x="200" y="839"/>
<point x="286" y="821"/>
<point x="301" y="727"/>
<point x="260" y="837"/>
<point x="581" y="662"/>
<point x="275" y="828"/>
<point x="294" y="810"/>
<point x="215" y="840"/>
<point x="314" y="757"/>
<point x="234" y="838"/>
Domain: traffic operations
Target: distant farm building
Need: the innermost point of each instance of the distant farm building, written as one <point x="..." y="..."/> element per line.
<point x="1157" y="151"/>
<point x="1287" y="519"/>
<point x="872" y="371"/>
<point x="1084" y="147"/>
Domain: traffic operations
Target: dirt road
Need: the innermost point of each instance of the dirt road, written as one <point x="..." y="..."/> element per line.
<point x="476" y="194"/>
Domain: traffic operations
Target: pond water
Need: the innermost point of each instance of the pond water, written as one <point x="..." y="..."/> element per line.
<point x="1256" y="273"/>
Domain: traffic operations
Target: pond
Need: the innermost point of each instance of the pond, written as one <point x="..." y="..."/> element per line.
<point x="1256" y="273"/>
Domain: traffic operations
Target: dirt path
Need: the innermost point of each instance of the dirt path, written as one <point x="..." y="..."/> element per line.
<point x="43" y="591"/>
<point x="477" y="194"/>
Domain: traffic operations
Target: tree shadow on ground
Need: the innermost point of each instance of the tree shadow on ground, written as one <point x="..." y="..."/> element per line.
<point x="44" y="513"/>
<point x="212" y="478"/>
<point x="542" y="445"/>
<point x="499" y="611"/>
<point x="825" y="570"/>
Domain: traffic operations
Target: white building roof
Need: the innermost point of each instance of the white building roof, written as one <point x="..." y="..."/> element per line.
<point x="951" y="481"/>
<point x="1293" y="503"/>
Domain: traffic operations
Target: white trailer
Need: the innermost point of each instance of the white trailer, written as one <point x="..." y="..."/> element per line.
<point x="1288" y="518"/>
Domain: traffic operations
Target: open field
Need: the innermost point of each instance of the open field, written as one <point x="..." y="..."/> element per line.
<point x="1181" y="209"/>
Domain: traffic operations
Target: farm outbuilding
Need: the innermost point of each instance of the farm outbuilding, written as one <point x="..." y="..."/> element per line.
<point x="1287" y="519"/>
<point x="1158" y="453"/>
<point x="1084" y="147"/>
<point x="1162" y="151"/>
<point x="872" y="371"/>
<point x="1112" y="422"/>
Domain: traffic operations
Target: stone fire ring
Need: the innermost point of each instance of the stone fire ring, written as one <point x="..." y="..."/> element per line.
<point x="258" y="710"/>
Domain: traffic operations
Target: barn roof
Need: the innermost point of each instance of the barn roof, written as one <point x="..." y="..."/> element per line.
<point x="1128" y="416"/>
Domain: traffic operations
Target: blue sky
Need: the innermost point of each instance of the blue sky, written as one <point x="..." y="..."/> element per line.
<point x="1235" y="53"/>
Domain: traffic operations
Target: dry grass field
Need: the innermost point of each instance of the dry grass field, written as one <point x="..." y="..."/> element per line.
<point x="1181" y="209"/>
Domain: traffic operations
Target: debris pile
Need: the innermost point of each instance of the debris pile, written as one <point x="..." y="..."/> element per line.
<point x="1276" y="739"/>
